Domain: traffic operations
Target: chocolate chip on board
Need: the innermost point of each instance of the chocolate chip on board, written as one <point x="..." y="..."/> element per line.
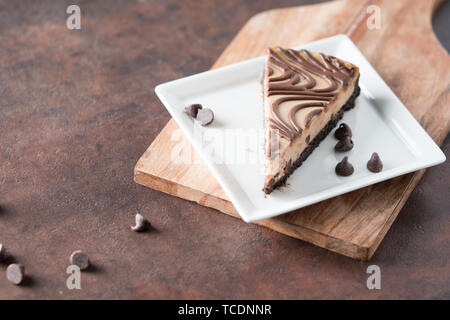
<point x="192" y="109"/>
<point x="375" y="164"/>
<point x="343" y="131"/>
<point x="80" y="259"/>
<point x="344" y="168"/>
<point x="346" y="144"/>
<point x="205" y="116"/>
<point x="15" y="273"/>
<point x="142" y="224"/>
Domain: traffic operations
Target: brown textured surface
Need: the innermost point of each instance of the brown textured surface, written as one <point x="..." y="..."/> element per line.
<point x="76" y="112"/>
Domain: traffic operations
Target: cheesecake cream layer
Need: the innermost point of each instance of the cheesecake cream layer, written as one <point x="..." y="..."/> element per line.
<point x="303" y="92"/>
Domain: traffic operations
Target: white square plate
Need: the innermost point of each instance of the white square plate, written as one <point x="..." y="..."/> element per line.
<point x="232" y="146"/>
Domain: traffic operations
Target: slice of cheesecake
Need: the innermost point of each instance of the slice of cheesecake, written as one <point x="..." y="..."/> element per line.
<point x="305" y="95"/>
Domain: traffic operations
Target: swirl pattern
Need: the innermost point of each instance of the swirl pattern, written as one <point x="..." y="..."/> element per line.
<point x="295" y="76"/>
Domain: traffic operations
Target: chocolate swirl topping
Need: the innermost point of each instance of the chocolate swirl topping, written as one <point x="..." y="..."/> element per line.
<point x="297" y="81"/>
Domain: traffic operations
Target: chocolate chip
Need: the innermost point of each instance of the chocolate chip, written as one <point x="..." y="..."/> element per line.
<point x="142" y="224"/>
<point x="3" y="254"/>
<point x="192" y="109"/>
<point x="374" y="164"/>
<point x="346" y="144"/>
<point x="15" y="273"/>
<point x="343" y="131"/>
<point x="344" y="168"/>
<point x="205" y="116"/>
<point x="308" y="139"/>
<point x="80" y="259"/>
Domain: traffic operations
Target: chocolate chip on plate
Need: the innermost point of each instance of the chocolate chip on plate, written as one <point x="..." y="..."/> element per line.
<point x="192" y="109"/>
<point x="80" y="259"/>
<point x="15" y="273"/>
<point x="346" y="144"/>
<point x="142" y="224"/>
<point x="343" y="131"/>
<point x="344" y="168"/>
<point x="205" y="116"/>
<point x="374" y="164"/>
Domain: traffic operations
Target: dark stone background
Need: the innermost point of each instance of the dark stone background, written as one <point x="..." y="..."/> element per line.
<point x="77" y="110"/>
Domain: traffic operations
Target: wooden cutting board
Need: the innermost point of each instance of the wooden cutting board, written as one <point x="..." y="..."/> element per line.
<point x="406" y="53"/>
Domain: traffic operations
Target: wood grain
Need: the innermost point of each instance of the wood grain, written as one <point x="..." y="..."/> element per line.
<point x="409" y="58"/>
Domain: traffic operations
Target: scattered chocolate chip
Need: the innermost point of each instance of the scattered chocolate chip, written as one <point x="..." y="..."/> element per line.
<point x="192" y="109"/>
<point x="142" y="224"/>
<point x="205" y="116"/>
<point x="344" y="168"/>
<point x="80" y="259"/>
<point x="374" y="164"/>
<point x="15" y="273"/>
<point x="346" y="144"/>
<point x="3" y="254"/>
<point x="308" y="139"/>
<point x="343" y="131"/>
